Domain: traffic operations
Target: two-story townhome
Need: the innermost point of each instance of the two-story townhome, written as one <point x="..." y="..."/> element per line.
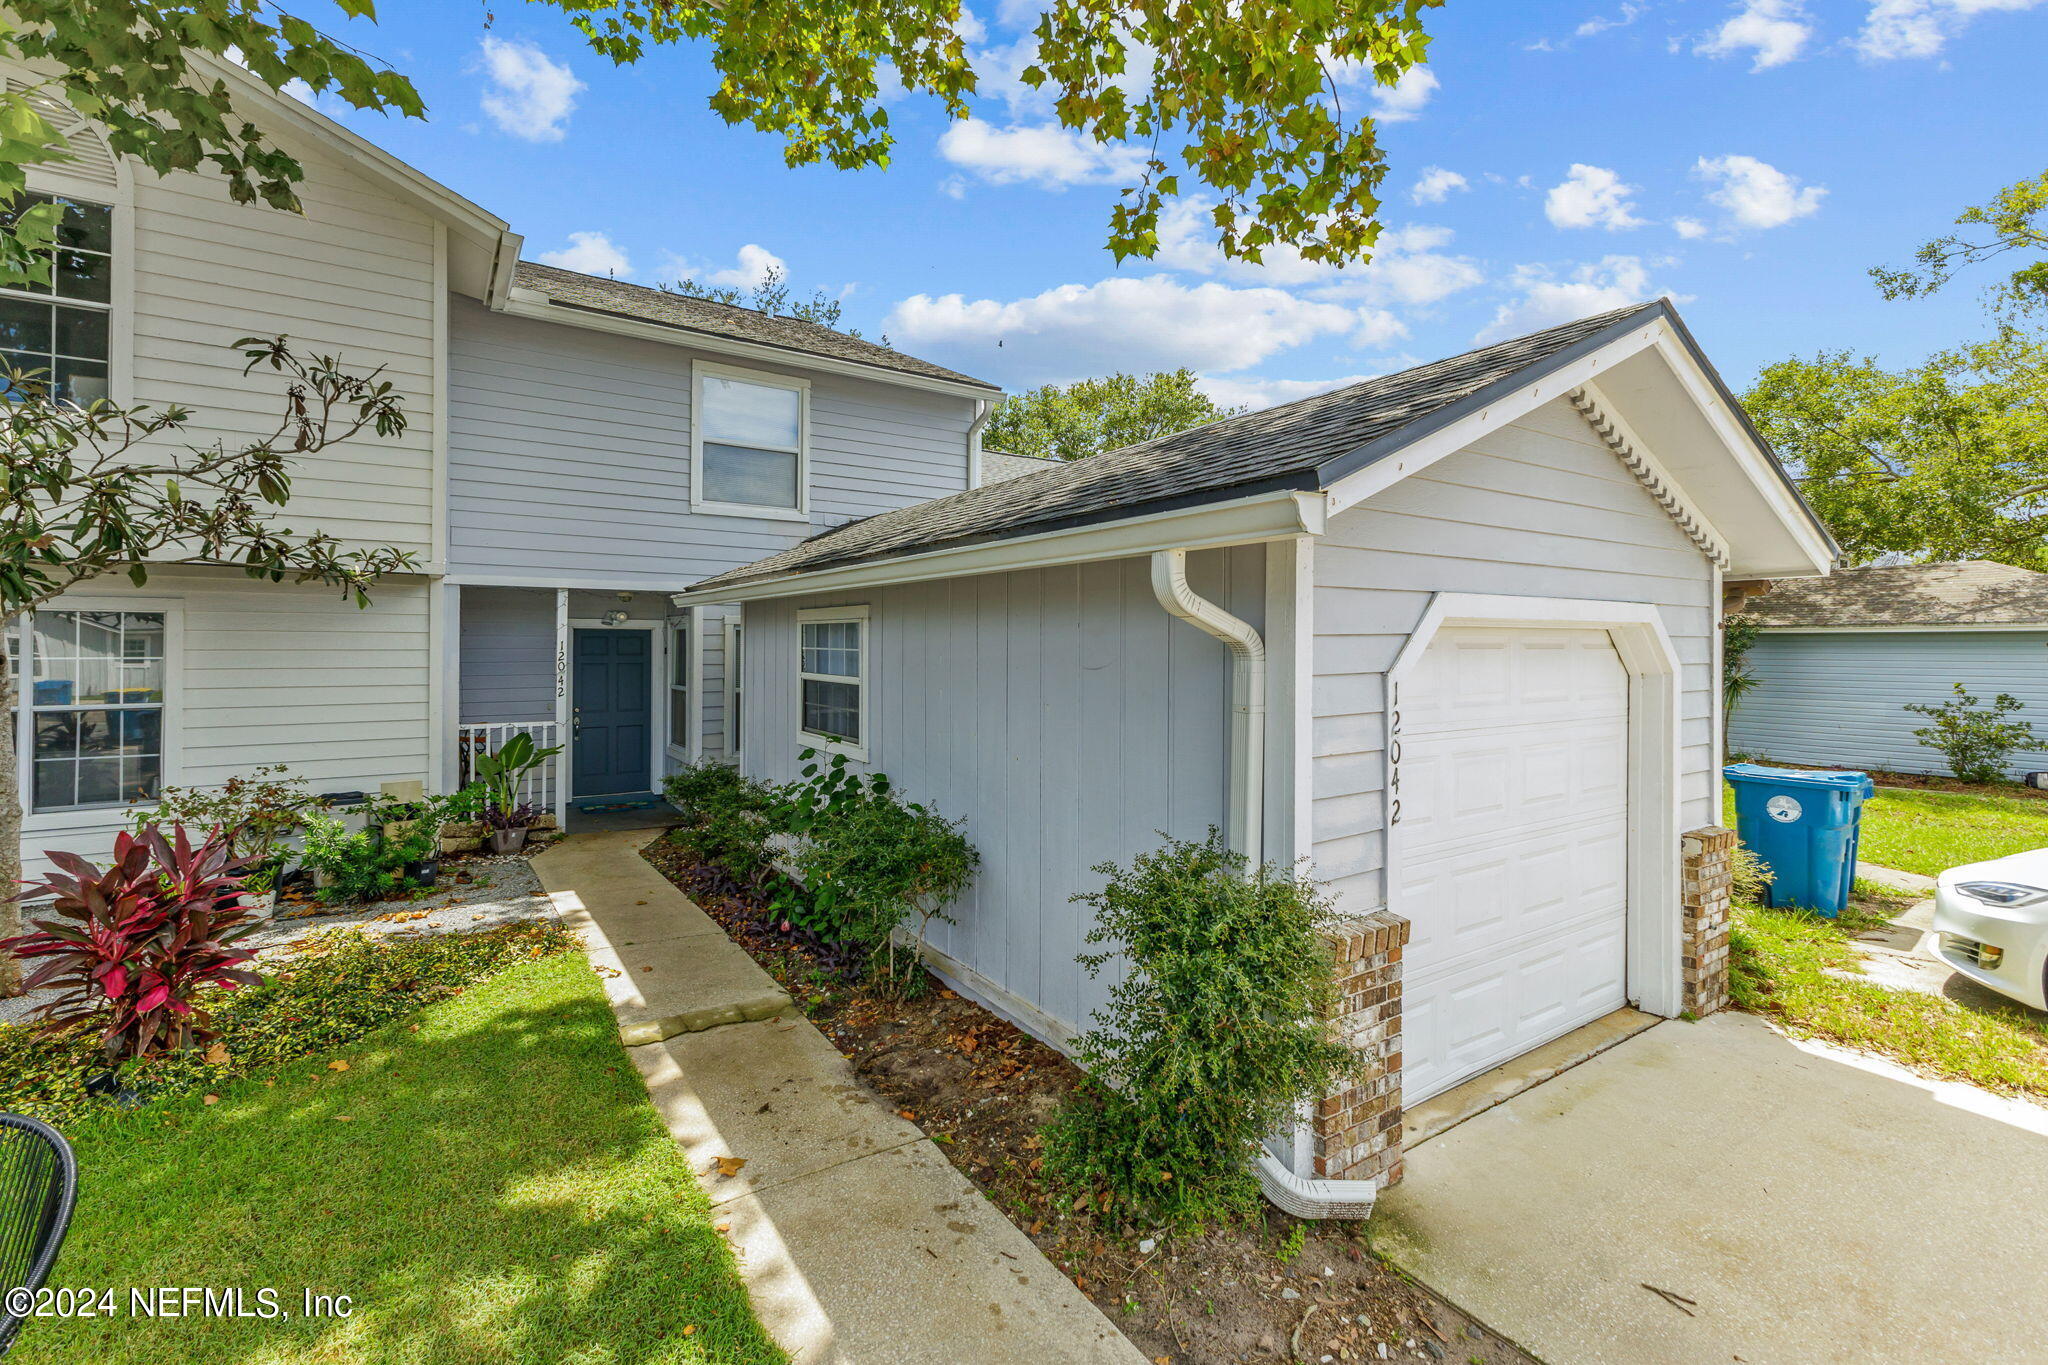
<point x="577" y="450"/>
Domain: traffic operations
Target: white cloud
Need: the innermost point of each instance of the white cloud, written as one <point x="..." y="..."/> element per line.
<point x="1921" y="28"/>
<point x="326" y="101"/>
<point x="750" y="267"/>
<point x="1600" y="23"/>
<point x="1404" y="100"/>
<point x="530" y="95"/>
<point x="1435" y="184"/>
<point x="1546" y="298"/>
<point x="593" y="253"/>
<point x="1150" y="323"/>
<point x="1755" y="193"/>
<point x="1772" y="32"/>
<point x="1041" y="154"/>
<point x="1591" y="196"/>
<point x="1408" y="266"/>
<point x="1689" y="228"/>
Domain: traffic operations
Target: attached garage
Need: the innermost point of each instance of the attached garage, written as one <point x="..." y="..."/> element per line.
<point x="1450" y="637"/>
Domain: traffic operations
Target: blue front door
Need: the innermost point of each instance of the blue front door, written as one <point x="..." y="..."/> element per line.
<point x="612" y="735"/>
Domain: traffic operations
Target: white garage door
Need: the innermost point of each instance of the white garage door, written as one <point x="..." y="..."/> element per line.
<point x="1512" y="850"/>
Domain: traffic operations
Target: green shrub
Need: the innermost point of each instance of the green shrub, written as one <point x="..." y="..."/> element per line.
<point x="867" y="861"/>
<point x="1752" y="876"/>
<point x="341" y="985"/>
<point x="356" y="863"/>
<point x="1975" y="739"/>
<point x="726" y="819"/>
<point x="1209" y="1043"/>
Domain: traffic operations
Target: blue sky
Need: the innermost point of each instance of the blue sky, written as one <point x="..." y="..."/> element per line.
<point x="1752" y="159"/>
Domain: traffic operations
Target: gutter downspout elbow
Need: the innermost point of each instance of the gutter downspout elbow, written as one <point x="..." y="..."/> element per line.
<point x="1247" y="777"/>
<point x="984" y="408"/>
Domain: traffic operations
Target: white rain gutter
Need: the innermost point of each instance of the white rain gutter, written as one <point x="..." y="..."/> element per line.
<point x="1303" y="1196"/>
<point x="984" y="408"/>
<point x="1247" y="815"/>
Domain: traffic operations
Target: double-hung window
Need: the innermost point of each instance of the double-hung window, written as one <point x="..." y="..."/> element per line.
<point x="748" y="447"/>
<point x="832" y="679"/>
<point x="94" y="695"/>
<point x="60" y="333"/>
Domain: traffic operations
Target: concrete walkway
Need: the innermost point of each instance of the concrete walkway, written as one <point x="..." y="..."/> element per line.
<point x="1804" y="1202"/>
<point x="859" y="1242"/>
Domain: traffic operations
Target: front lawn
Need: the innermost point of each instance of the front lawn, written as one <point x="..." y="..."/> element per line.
<point x="488" y="1183"/>
<point x="1783" y="964"/>
<point x="1929" y="831"/>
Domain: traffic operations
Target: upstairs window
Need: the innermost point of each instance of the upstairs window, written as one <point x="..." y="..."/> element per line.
<point x="748" y="449"/>
<point x="63" y="328"/>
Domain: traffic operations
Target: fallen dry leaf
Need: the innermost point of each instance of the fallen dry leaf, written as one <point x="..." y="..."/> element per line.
<point x="689" y="1329"/>
<point x="337" y="1065"/>
<point x="213" y="1099"/>
<point x="729" y="1166"/>
<point x="721" y="1227"/>
<point x="344" y="1118"/>
<point x="217" y="1055"/>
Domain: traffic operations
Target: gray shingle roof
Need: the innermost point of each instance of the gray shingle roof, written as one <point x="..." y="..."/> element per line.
<point x="1305" y="444"/>
<point x="1970" y="592"/>
<point x="596" y="294"/>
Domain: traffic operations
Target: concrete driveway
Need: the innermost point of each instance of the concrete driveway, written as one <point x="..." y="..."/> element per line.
<point x="1812" y="1204"/>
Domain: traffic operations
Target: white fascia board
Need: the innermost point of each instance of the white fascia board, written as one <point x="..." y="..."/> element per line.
<point x="581" y="582"/>
<point x="520" y="303"/>
<point x="1757" y="465"/>
<point x="1932" y="628"/>
<point x="1244" y="521"/>
<point x="1389" y="470"/>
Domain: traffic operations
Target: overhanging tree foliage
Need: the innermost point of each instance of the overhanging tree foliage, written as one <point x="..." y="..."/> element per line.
<point x="2012" y="222"/>
<point x="1073" y="421"/>
<point x="1244" y="97"/>
<point x="86" y="492"/>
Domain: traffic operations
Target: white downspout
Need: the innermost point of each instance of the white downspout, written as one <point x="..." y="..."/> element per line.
<point x="1247" y="777"/>
<point x="984" y="408"/>
<point x="1304" y="1196"/>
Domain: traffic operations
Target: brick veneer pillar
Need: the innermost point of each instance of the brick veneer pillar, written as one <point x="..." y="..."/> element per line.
<point x="1708" y="892"/>
<point x="1357" y="1131"/>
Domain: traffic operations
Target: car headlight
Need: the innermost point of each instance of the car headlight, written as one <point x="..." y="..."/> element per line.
<point x="2002" y="893"/>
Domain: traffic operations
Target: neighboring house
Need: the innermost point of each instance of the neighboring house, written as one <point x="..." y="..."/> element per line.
<point x="997" y="465"/>
<point x="1451" y="636"/>
<point x="578" y="448"/>
<point x="1840" y="657"/>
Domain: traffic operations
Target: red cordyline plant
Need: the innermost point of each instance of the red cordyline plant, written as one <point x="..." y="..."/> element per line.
<point x="138" y="941"/>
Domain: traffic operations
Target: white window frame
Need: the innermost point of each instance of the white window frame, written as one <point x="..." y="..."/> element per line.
<point x="811" y="738"/>
<point x="682" y="628"/>
<point x="700" y="370"/>
<point x="734" y="682"/>
<point x="169" y="770"/>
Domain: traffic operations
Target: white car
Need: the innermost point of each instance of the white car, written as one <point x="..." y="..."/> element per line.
<point x="1991" y="924"/>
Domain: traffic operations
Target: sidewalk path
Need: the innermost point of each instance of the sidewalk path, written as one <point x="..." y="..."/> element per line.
<point x="860" y="1243"/>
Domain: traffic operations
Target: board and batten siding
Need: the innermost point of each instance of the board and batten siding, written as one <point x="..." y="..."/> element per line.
<point x="1837" y="698"/>
<point x="569" y="456"/>
<point x="1538" y="508"/>
<point x="353" y="276"/>
<point x="1061" y="712"/>
<point x="263" y="673"/>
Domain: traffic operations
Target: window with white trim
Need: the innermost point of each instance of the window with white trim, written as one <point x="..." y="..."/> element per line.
<point x="735" y="686"/>
<point x="679" y="680"/>
<point x="747" y="449"/>
<point x="94" y="731"/>
<point x="63" y="329"/>
<point x="832" y="648"/>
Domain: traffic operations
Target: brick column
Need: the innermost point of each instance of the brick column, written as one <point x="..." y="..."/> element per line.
<point x="1708" y="892"/>
<point x="1356" y="1133"/>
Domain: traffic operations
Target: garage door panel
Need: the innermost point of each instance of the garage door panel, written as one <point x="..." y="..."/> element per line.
<point x="1513" y="846"/>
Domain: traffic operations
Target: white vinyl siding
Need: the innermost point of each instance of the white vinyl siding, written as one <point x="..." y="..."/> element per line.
<point x="1536" y="508"/>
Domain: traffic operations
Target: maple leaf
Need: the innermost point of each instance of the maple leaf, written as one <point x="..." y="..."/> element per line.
<point x="729" y="1166"/>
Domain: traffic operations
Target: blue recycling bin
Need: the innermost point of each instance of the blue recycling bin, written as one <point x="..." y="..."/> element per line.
<point x="1804" y="825"/>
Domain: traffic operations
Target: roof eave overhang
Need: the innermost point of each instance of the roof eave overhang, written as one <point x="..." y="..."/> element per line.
<point x="1802" y="549"/>
<point x="1274" y="515"/>
<point x="528" y="304"/>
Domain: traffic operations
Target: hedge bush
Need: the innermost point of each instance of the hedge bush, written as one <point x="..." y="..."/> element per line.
<point x="1217" y="1033"/>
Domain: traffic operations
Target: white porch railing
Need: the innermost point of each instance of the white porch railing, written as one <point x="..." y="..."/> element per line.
<point x="539" y="787"/>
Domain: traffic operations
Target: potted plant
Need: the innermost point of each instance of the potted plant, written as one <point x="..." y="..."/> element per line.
<point x="137" y="945"/>
<point x="501" y="774"/>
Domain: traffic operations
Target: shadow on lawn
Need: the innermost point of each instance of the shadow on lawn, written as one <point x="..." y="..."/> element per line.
<point x="493" y="1187"/>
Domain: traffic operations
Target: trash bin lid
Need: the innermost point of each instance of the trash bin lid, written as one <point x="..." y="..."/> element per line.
<point x="1798" y="777"/>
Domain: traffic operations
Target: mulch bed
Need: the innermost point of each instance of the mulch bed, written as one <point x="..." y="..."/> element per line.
<point x="981" y="1088"/>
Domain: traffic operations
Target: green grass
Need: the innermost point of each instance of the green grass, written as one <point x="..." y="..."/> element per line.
<point x="492" y="1187"/>
<point x="1929" y="832"/>
<point x="1780" y="966"/>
